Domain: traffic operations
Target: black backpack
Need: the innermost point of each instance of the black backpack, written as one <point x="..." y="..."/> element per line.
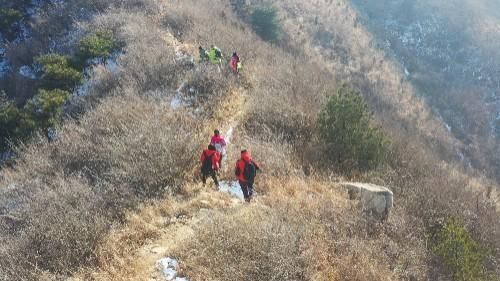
<point x="250" y="171"/>
<point x="218" y="53"/>
<point x="207" y="164"/>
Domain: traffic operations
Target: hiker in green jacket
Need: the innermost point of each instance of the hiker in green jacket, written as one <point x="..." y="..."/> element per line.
<point x="215" y="55"/>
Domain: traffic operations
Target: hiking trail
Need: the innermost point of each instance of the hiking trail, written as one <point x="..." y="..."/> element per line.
<point x="156" y="259"/>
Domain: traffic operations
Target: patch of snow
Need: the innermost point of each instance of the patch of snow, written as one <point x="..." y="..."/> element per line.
<point x="27" y="72"/>
<point x="66" y="40"/>
<point x="4" y="67"/>
<point x="52" y="134"/>
<point x="4" y="63"/>
<point x="169" y="267"/>
<point x="233" y="188"/>
<point x="112" y="65"/>
<point x="229" y="134"/>
<point x="407" y="73"/>
<point x="448" y="127"/>
<point x="178" y="100"/>
<point x="83" y="89"/>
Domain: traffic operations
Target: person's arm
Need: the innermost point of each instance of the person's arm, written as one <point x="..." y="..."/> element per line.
<point x="257" y="166"/>
<point x="202" y="158"/>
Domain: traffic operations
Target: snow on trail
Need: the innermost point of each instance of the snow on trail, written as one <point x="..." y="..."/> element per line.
<point x="178" y="101"/>
<point x="232" y="188"/>
<point x="169" y="267"/>
<point x="229" y="134"/>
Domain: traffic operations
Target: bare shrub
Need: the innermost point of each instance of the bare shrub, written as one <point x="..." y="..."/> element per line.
<point x="151" y="61"/>
<point x="177" y="23"/>
<point x="128" y="149"/>
<point x="62" y="222"/>
<point x="301" y="230"/>
<point x="242" y="250"/>
<point x="131" y="143"/>
<point x="274" y="120"/>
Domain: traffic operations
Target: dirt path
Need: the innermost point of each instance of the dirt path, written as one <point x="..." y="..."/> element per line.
<point x="157" y="254"/>
<point x="153" y="261"/>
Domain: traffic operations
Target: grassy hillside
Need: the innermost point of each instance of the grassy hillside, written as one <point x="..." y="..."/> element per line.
<point x="118" y="189"/>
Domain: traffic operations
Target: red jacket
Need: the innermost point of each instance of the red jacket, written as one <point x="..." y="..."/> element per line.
<point x="240" y="166"/>
<point x="215" y="158"/>
<point x="220" y="143"/>
<point x="234" y="63"/>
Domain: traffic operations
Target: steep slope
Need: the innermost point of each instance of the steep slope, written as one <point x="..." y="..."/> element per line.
<point x="446" y="49"/>
<point x="347" y="49"/>
<point x="337" y="35"/>
<point x="118" y="189"/>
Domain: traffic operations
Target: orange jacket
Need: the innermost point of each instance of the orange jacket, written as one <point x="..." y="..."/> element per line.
<point x="240" y="166"/>
<point x="215" y="158"/>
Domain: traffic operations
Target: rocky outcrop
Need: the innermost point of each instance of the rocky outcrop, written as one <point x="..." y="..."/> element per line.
<point x="375" y="200"/>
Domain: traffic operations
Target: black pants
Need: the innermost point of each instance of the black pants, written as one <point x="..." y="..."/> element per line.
<point x="247" y="188"/>
<point x="206" y="174"/>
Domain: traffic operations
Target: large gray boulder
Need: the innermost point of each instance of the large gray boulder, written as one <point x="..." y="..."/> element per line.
<point x="375" y="200"/>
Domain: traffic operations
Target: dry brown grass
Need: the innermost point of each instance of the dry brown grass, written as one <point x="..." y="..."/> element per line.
<point x="123" y="254"/>
<point x="299" y="230"/>
<point x="70" y="192"/>
<point x="130" y="147"/>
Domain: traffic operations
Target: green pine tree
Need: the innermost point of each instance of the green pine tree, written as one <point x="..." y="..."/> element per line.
<point x="58" y="72"/>
<point x="346" y="130"/>
<point x="97" y="45"/>
<point x="264" y="21"/>
<point x="463" y="256"/>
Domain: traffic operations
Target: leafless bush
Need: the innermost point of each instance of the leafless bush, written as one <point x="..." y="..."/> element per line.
<point x="130" y="142"/>
<point x="242" y="250"/>
<point x="302" y="230"/>
<point x="62" y="221"/>
<point x="127" y="149"/>
<point x="276" y="121"/>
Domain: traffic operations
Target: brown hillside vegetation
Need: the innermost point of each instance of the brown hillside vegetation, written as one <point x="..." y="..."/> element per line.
<point x="116" y="191"/>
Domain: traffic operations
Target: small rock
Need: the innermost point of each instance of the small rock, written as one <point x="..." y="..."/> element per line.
<point x="157" y="250"/>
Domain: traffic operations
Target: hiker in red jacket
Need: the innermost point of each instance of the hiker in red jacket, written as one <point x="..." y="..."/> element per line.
<point x="246" y="170"/>
<point x="233" y="64"/>
<point x="209" y="164"/>
<point x="219" y="143"/>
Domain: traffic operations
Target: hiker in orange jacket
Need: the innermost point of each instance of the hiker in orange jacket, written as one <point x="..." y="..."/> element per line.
<point x="245" y="171"/>
<point x="209" y="164"/>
